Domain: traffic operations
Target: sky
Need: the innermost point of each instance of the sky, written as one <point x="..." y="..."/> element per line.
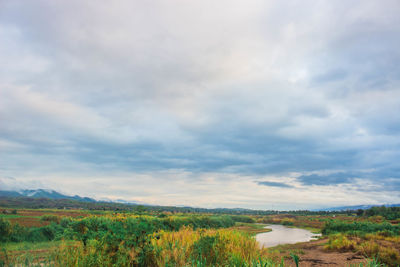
<point x="251" y="104"/>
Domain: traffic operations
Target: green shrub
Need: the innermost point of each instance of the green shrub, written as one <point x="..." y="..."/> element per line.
<point x="5" y="230"/>
<point x="340" y="242"/>
<point x="50" y="218"/>
<point x="332" y="227"/>
<point x="287" y="222"/>
<point x="131" y="230"/>
<point x="242" y="218"/>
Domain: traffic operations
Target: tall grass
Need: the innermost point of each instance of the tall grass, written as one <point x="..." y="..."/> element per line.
<point x="186" y="247"/>
<point x="217" y="247"/>
<point x="377" y="246"/>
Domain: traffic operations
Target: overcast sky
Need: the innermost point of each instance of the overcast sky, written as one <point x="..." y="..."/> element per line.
<point x="253" y="104"/>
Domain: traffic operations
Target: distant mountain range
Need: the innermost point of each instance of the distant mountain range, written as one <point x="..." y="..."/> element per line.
<point x="43" y="193"/>
<point x="51" y="194"/>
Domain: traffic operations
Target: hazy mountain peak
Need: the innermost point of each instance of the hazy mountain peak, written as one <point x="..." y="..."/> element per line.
<point x="43" y="193"/>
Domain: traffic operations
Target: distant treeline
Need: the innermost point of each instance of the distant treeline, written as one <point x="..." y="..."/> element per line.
<point x="47" y="203"/>
<point x="333" y="227"/>
<point x="42" y="203"/>
<point x="389" y="213"/>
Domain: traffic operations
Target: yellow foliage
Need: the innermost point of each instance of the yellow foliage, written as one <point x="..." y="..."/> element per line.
<point x="177" y="246"/>
<point x="340" y="242"/>
<point x="377" y="245"/>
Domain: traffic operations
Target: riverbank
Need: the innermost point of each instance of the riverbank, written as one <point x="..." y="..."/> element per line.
<point x="312" y="253"/>
<point x="251" y="228"/>
<point x="311" y="229"/>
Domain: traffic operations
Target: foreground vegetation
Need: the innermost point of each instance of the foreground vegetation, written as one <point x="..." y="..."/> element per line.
<point x="186" y="247"/>
<point x="51" y="237"/>
<point x="133" y="240"/>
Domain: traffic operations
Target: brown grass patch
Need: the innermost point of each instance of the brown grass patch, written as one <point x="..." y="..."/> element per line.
<point x="29" y="222"/>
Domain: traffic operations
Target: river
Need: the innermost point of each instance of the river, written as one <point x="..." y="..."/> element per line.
<point x="281" y="234"/>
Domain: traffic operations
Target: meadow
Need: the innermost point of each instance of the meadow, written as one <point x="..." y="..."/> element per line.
<point x="54" y="237"/>
<point x="79" y="238"/>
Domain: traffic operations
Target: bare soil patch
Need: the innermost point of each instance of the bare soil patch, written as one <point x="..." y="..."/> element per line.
<point x="312" y="254"/>
<point x="29" y="222"/>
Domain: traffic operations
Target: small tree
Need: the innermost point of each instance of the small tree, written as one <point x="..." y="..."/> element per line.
<point x="5" y="230"/>
<point x="360" y="212"/>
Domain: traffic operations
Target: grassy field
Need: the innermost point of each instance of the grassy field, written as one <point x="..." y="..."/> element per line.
<point x="52" y="237"/>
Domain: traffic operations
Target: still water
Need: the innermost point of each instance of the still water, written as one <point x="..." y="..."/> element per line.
<point x="284" y="235"/>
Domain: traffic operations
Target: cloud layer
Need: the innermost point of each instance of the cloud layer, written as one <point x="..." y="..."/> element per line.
<point x="172" y="102"/>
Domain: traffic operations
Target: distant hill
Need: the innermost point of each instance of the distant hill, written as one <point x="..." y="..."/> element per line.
<point x="42" y="198"/>
<point x="363" y="207"/>
<point x="43" y="193"/>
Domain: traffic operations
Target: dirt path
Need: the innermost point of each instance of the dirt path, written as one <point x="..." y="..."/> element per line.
<point x="313" y="254"/>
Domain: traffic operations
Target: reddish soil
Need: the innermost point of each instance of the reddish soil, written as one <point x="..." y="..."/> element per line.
<point x="29" y="222"/>
<point x="313" y="254"/>
<point x="67" y="213"/>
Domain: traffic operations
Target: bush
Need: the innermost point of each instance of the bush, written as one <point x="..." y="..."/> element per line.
<point x="287" y="222"/>
<point x="5" y="230"/>
<point x="340" y="242"/>
<point x="116" y="235"/>
<point x="50" y="218"/>
<point x="242" y="218"/>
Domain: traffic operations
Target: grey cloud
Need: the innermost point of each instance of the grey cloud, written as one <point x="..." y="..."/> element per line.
<point x="274" y="184"/>
<point x="154" y="86"/>
<point x="331" y="179"/>
<point x="383" y="179"/>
